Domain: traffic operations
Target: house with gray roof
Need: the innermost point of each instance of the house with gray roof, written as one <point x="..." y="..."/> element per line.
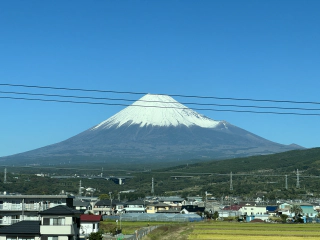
<point x="82" y="206"/>
<point x="137" y="206"/>
<point x="27" y="229"/>
<point x="60" y="222"/>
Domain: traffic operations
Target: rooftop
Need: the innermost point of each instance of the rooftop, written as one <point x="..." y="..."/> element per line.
<point x="23" y="227"/>
<point x="34" y="196"/>
<point x="90" y="218"/>
<point x="60" y="210"/>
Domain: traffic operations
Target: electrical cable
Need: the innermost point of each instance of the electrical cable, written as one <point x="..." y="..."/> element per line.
<point x="172" y="95"/>
<point x="127" y="105"/>
<point x="184" y="103"/>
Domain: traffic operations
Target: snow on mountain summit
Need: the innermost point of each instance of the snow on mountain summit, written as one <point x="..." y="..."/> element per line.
<point x="157" y="110"/>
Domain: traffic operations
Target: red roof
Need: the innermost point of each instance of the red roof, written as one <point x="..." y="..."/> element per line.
<point x="233" y="207"/>
<point x="90" y="218"/>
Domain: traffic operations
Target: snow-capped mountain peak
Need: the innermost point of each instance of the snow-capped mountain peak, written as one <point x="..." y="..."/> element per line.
<point x="157" y="110"/>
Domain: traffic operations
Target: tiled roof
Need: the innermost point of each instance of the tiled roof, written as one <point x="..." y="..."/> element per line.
<point x="60" y="210"/>
<point x="168" y="211"/>
<point x="233" y="207"/>
<point x="135" y="202"/>
<point x="171" y="199"/>
<point x="23" y="227"/>
<point x="90" y="218"/>
<point x="79" y="203"/>
<point x="107" y="202"/>
<point x="193" y="208"/>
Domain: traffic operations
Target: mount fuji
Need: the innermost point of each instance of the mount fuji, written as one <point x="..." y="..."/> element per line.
<point x="157" y="127"/>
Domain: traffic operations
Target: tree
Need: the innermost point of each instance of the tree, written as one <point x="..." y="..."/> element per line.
<point x="95" y="236"/>
<point x="104" y="196"/>
<point x="284" y="218"/>
<point x="215" y="215"/>
<point x="297" y="210"/>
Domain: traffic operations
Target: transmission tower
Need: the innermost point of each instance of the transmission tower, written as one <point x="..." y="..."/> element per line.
<point x="298" y="183"/>
<point x="286" y="186"/>
<point x="152" y="186"/>
<point x="231" y="186"/>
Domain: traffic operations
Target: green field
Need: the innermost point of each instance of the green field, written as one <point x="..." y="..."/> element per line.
<point x="228" y="231"/>
<point x="129" y="227"/>
<point x="221" y="230"/>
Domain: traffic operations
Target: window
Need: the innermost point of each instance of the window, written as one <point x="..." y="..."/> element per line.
<point x="53" y="238"/>
<point x="54" y="221"/>
<point x="46" y="221"/>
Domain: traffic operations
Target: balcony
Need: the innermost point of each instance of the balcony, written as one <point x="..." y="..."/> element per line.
<point x="26" y="207"/>
<point x="54" y="229"/>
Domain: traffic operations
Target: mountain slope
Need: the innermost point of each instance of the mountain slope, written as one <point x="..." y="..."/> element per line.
<point x="158" y="127"/>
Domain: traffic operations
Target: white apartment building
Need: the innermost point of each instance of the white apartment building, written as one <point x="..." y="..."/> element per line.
<point x="16" y="208"/>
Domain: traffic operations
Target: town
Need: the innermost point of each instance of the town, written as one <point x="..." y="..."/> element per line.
<point x="66" y="216"/>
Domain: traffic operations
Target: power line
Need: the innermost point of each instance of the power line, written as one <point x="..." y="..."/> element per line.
<point x="172" y="95"/>
<point x="133" y="100"/>
<point x="169" y="172"/>
<point x="127" y="105"/>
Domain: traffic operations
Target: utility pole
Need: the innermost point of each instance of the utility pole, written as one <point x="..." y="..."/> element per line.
<point x="231" y="186"/>
<point x="110" y="195"/>
<point x="5" y="175"/>
<point x="286" y="186"/>
<point x="205" y="204"/>
<point x="80" y="188"/>
<point x="298" y="183"/>
<point x="152" y="186"/>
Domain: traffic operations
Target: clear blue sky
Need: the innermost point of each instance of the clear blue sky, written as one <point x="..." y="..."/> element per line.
<point x="244" y="49"/>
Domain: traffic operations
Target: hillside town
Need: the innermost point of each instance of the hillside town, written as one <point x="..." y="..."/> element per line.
<point x="76" y="217"/>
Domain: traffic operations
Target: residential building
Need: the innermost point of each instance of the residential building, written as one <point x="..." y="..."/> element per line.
<point x="161" y="208"/>
<point x="251" y="210"/>
<point x="59" y="222"/>
<point x="89" y="224"/>
<point x="192" y="209"/>
<point x="308" y="210"/>
<point x="136" y="206"/>
<point x="27" y="229"/>
<point x="15" y="208"/>
<point x="82" y="206"/>
<point x="172" y="201"/>
<point x="104" y="207"/>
